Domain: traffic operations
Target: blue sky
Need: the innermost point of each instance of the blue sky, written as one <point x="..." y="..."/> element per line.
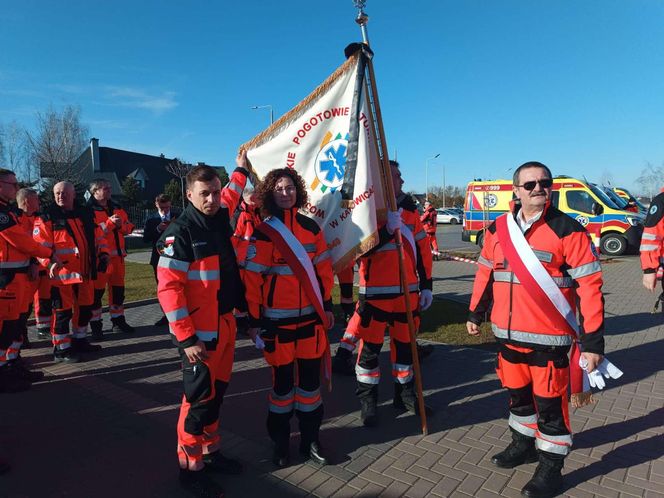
<point x="487" y="84"/>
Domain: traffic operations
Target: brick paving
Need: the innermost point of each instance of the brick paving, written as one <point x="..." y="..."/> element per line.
<point x="106" y="427"/>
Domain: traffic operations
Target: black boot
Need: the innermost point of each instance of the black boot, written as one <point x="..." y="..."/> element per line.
<point x="368" y="395"/>
<point x="199" y="484"/>
<point x="65" y="356"/>
<point x="313" y="451"/>
<point x="216" y="462"/>
<point x="342" y="363"/>
<point x="96" y="327"/>
<point x="547" y="480"/>
<point x="281" y="456"/>
<point x="406" y="399"/>
<point x="120" y="325"/>
<point x="521" y="450"/>
<point x="81" y="345"/>
<point x="162" y="321"/>
<point x="18" y="369"/>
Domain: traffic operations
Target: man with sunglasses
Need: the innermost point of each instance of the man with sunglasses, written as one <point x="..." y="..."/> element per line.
<point x="536" y="263"/>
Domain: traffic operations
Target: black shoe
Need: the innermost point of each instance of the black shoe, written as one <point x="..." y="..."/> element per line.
<point x="96" y="328"/>
<point x="281" y="457"/>
<point x="44" y="333"/>
<point x="369" y="411"/>
<point x="342" y="363"/>
<point x="26" y="342"/>
<point x="66" y="356"/>
<point x="4" y="467"/>
<point x="424" y="350"/>
<point x="120" y="325"/>
<point x="18" y="370"/>
<point x="82" y="345"/>
<point x="242" y="325"/>
<point x="406" y="399"/>
<point x="162" y="321"/>
<point x="313" y="451"/>
<point x="547" y="480"/>
<point x="216" y="462"/>
<point x="10" y="383"/>
<point x="199" y="484"/>
<point x="521" y="450"/>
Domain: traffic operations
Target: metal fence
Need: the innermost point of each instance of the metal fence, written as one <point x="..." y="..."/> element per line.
<point x="138" y="215"/>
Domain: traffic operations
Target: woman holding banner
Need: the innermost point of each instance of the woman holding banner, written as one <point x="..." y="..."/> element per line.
<point x="289" y="279"/>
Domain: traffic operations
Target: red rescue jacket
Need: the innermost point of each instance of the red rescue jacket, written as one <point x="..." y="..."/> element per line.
<point x="565" y="250"/>
<point x="274" y="294"/>
<point x="114" y="234"/>
<point x="652" y="240"/>
<point x="379" y="268"/>
<point x="429" y="220"/>
<point x="197" y="273"/>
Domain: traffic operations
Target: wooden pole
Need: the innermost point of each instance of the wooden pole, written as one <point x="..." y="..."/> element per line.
<point x="362" y="19"/>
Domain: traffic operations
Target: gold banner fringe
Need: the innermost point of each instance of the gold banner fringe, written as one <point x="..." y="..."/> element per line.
<point x="579" y="400"/>
<point x="297" y="111"/>
<point x="367" y="244"/>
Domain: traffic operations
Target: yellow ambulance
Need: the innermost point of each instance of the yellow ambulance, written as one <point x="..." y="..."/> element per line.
<point x="613" y="230"/>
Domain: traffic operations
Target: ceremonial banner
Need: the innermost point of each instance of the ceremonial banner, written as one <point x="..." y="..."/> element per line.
<point x="328" y="136"/>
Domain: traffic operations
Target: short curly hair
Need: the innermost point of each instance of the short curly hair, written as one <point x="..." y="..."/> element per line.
<point x="265" y="191"/>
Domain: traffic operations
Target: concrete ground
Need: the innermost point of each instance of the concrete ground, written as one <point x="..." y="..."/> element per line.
<point x="106" y="427"/>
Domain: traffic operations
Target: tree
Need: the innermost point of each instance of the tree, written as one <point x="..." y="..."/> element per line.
<point x="174" y="191"/>
<point x="223" y="175"/>
<point x="131" y="189"/>
<point x="57" y="142"/>
<point x="650" y="180"/>
<point x="13" y="152"/>
<point x="179" y="169"/>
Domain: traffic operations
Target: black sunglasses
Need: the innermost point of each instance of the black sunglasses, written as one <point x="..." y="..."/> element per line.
<point x="530" y="186"/>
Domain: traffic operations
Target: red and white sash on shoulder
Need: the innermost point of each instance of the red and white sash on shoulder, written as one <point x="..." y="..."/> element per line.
<point x="532" y="274"/>
<point x="297" y="258"/>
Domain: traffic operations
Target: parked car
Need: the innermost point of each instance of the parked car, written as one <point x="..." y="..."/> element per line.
<point x="448" y="216"/>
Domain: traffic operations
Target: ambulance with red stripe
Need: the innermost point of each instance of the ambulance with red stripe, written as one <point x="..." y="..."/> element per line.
<point x="613" y="230"/>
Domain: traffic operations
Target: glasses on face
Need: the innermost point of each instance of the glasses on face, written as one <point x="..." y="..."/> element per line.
<point x="530" y="186"/>
<point x="285" y="190"/>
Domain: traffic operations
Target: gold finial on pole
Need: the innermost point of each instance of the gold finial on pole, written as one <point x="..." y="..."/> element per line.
<point x="362" y="19"/>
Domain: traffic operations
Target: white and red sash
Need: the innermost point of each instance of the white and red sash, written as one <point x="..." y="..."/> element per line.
<point x="297" y="258"/>
<point x="542" y="289"/>
<point x="532" y="274"/>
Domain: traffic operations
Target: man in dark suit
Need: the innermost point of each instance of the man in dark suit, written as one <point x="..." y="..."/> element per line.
<point x="154" y="227"/>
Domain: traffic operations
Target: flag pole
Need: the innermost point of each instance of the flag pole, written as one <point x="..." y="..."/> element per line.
<point x="362" y="19"/>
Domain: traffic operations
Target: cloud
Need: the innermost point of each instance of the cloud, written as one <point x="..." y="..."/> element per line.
<point x="141" y="99"/>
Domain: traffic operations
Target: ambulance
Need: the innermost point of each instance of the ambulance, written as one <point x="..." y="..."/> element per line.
<point x="613" y="230"/>
<point x="625" y="194"/>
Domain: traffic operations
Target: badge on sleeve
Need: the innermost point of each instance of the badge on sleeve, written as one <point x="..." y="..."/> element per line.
<point x="168" y="248"/>
<point x="4" y="219"/>
<point x="653" y="209"/>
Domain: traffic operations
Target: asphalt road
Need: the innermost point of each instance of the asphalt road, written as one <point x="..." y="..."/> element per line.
<point x="449" y="238"/>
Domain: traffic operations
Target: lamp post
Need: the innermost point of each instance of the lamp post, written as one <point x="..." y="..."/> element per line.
<point x="426" y="172"/>
<point x="443" y="186"/>
<point x="266" y="106"/>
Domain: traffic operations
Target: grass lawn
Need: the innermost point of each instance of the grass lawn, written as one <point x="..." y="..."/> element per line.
<point x="444" y="322"/>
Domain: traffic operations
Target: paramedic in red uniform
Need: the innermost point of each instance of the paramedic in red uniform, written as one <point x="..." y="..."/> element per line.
<point x="15" y="252"/>
<point x="652" y="241"/>
<point x="198" y="286"/>
<point x="294" y="335"/>
<point x="532" y="360"/>
<point x="70" y="231"/>
<point x="381" y="304"/>
<point x="114" y="222"/>
<point x="429" y="221"/>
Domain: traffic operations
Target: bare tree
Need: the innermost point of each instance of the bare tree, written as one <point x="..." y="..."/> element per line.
<point x="57" y="142"/>
<point x="606" y="178"/>
<point x="179" y="169"/>
<point x="651" y="180"/>
<point x="13" y="150"/>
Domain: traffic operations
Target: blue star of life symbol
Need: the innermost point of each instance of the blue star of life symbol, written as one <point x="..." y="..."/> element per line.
<point x="331" y="163"/>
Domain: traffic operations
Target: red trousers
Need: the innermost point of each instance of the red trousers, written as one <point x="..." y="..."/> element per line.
<point x="433" y="243"/>
<point x="204" y="386"/>
<point x="537" y="382"/>
<point x="114" y="279"/>
<point x="10" y="308"/>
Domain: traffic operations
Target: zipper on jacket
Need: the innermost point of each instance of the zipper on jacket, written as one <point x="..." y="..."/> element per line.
<point x="270" y="294"/>
<point x="509" y="316"/>
<point x="550" y="375"/>
<point x="366" y="274"/>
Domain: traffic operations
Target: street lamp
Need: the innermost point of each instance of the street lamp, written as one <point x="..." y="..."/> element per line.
<point x="426" y="193"/>
<point x="266" y="106"/>
<point x="443" y="186"/>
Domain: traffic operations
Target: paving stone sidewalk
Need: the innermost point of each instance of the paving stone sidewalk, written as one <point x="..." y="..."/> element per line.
<point x="106" y="427"/>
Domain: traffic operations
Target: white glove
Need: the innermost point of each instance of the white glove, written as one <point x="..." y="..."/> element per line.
<point x="260" y="344"/>
<point x="393" y="220"/>
<point x="609" y="370"/>
<point x="426" y="298"/>
<point x="595" y="379"/>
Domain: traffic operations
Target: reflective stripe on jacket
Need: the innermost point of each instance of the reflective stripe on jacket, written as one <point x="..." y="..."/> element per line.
<point x="652" y="240"/>
<point x="565" y="250"/>
<point x="274" y="292"/>
<point x="198" y="277"/>
<point x="114" y="235"/>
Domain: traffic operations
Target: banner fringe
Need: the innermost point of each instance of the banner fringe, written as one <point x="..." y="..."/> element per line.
<point x="301" y="108"/>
